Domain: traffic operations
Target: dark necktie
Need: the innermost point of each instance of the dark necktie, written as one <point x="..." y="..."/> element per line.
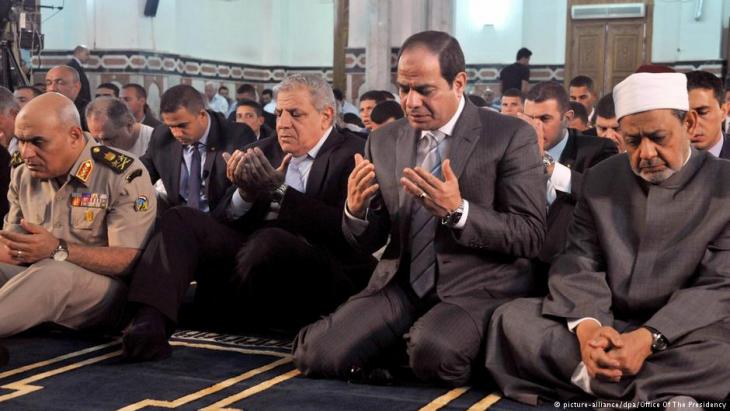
<point x="423" y="223"/>
<point x="194" y="178"/>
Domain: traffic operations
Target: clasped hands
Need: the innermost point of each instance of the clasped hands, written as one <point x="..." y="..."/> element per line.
<point x="253" y="174"/>
<point x="19" y="248"/>
<point x="440" y="197"/>
<point x="609" y="355"/>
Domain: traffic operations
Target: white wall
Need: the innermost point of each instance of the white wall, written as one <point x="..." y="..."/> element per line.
<point x="263" y="32"/>
<point x="677" y="36"/>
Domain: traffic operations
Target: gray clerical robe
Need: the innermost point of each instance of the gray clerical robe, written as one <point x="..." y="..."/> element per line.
<point x="637" y="254"/>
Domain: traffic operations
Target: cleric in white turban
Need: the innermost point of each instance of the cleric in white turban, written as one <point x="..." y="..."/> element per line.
<point x="639" y="301"/>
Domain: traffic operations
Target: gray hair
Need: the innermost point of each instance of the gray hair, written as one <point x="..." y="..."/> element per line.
<point x="68" y="69"/>
<point x="7" y="101"/>
<point x="319" y="90"/>
<point x="116" y="111"/>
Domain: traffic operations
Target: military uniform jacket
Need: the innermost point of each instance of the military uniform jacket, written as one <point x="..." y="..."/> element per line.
<point x="106" y="200"/>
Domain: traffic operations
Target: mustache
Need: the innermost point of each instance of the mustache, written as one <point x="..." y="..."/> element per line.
<point x="656" y="161"/>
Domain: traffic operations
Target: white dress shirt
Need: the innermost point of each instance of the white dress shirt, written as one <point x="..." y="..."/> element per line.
<point x="560" y="180"/>
<point x="717" y="148"/>
<point x="218" y="103"/>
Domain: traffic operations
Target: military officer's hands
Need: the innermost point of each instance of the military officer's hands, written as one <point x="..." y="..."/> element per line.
<point x="595" y="341"/>
<point x="438" y="197"/>
<point x="361" y="186"/>
<point x="636" y="348"/>
<point x="256" y="177"/>
<point x="29" y="248"/>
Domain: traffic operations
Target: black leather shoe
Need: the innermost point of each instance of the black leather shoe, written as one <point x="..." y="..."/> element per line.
<point x="146" y="337"/>
<point x="4" y="357"/>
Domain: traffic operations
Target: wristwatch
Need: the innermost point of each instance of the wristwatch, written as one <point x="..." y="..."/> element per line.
<point x="61" y="252"/>
<point x="277" y="196"/>
<point x="658" y="341"/>
<point x="547" y="161"/>
<point x="452" y="218"/>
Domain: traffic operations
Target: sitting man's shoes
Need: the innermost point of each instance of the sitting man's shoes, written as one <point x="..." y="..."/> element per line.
<point x="376" y="376"/>
<point x="4" y="356"/>
<point x="146" y="337"/>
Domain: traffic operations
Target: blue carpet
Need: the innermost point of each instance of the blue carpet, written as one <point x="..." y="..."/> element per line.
<point x="207" y="371"/>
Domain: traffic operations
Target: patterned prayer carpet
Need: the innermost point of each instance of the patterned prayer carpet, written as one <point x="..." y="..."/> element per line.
<point x="208" y="371"/>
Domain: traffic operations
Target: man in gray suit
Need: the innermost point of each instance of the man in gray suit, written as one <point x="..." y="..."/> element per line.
<point x="639" y="303"/>
<point x="461" y="192"/>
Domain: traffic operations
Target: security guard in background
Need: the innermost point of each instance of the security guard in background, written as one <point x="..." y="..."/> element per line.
<point x="80" y="214"/>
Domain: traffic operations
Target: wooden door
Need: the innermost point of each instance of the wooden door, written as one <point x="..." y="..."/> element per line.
<point x="626" y="50"/>
<point x="607" y="50"/>
<point x="588" y="51"/>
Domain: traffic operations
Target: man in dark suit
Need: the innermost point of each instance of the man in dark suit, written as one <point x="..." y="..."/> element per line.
<point x="459" y="229"/>
<point x="66" y="80"/>
<point x="706" y="99"/>
<point x="567" y="155"/>
<point x="80" y="57"/>
<point x="187" y="154"/>
<point x="135" y="97"/>
<point x="638" y="308"/>
<point x="280" y="257"/>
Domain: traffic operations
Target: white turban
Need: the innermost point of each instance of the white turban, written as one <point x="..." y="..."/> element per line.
<point x="650" y="91"/>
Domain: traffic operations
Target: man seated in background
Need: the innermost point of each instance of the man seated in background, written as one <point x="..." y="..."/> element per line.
<point x="705" y="99"/>
<point x="9" y="109"/>
<point x="579" y="118"/>
<point x="135" y="97"/>
<point x="215" y="102"/>
<point x="69" y="267"/>
<point x="249" y="112"/>
<point x="567" y="156"/>
<point x="513" y="102"/>
<point x="24" y="94"/>
<point x="581" y="90"/>
<point x="112" y="124"/>
<point x="186" y="154"/>
<point x="274" y="256"/>
<point x="385" y="112"/>
<point x="367" y="103"/>
<point x="107" y="90"/>
<point x="607" y="123"/>
<point x="638" y="308"/>
<point x="65" y="80"/>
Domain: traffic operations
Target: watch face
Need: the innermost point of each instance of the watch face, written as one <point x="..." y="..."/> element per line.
<point x="60" y="255"/>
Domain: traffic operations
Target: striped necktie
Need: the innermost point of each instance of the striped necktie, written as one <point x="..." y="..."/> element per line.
<point x="423" y="223"/>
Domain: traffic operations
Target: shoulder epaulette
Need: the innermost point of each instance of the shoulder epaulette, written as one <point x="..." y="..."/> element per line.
<point x="111" y="158"/>
<point x="16" y="159"/>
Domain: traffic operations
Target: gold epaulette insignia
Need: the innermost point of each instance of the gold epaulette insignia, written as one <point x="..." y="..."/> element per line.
<point x="113" y="159"/>
<point x="16" y="160"/>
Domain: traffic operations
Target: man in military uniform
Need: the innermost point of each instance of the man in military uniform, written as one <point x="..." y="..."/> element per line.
<point x="79" y="216"/>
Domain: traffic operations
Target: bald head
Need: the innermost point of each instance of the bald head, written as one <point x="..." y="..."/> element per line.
<point x="51" y="108"/>
<point x="49" y="135"/>
<point x="64" y="80"/>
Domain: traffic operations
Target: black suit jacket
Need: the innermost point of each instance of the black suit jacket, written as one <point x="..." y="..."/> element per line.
<point x="150" y="120"/>
<point x="164" y="156"/>
<point x="85" y="93"/>
<point x="581" y="153"/>
<point x="316" y="214"/>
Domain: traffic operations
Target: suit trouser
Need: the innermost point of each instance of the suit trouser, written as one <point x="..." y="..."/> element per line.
<point x="185" y="241"/>
<point x="271" y="278"/>
<point x="57" y="292"/>
<point x="533" y="357"/>
<point x="443" y="340"/>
